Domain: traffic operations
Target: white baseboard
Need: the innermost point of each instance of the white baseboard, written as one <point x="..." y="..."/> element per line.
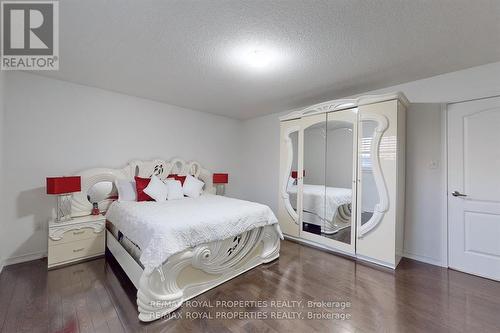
<point x="39" y="255"/>
<point x="24" y="258"/>
<point x="425" y="259"/>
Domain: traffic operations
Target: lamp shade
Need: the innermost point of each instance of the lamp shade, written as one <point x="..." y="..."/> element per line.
<point x="295" y="174"/>
<point x="220" y="178"/>
<point x="63" y="185"/>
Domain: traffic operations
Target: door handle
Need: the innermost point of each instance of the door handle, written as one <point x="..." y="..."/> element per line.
<point x="458" y="194"/>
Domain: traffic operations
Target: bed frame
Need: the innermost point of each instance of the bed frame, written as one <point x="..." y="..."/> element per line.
<point x="188" y="273"/>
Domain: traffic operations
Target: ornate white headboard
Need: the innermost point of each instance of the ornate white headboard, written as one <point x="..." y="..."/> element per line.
<point x="81" y="205"/>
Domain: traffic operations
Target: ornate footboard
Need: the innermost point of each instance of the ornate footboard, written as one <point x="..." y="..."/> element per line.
<point x="194" y="271"/>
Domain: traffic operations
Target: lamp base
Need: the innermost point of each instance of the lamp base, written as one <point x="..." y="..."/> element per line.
<point x="220" y="189"/>
<point x="64" y="207"/>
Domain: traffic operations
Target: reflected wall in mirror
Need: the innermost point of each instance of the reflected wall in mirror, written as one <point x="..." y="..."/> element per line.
<point x="313" y="190"/>
<point x="291" y="186"/>
<point x="369" y="193"/>
<point x="101" y="191"/>
<point x="339" y="175"/>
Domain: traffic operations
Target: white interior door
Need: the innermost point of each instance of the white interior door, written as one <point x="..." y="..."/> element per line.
<point x="474" y="187"/>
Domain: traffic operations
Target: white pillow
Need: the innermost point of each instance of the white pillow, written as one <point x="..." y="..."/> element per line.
<point x="174" y="188"/>
<point x="156" y="189"/>
<point x="126" y="190"/>
<point x="192" y="187"/>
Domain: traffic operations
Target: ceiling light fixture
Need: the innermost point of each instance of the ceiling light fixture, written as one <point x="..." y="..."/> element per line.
<point x="256" y="58"/>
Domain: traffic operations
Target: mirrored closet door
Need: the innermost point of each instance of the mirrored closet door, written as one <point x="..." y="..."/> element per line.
<point x="369" y="194"/>
<point x="342" y="171"/>
<point x="329" y="179"/>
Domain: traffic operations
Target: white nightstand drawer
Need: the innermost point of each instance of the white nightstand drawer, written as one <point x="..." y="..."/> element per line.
<point x="76" y="235"/>
<point x="67" y="252"/>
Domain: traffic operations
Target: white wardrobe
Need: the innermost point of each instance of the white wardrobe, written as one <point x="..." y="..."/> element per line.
<point x="342" y="176"/>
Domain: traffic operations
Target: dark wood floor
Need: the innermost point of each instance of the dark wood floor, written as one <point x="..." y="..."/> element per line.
<point x="95" y="297"/>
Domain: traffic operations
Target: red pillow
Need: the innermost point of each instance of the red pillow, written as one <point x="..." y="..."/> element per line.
<point x="140" y="185"/>
<point x="177" y="177"/>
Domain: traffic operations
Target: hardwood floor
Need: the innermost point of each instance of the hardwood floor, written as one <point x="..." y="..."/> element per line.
<point x="96" y="297"/>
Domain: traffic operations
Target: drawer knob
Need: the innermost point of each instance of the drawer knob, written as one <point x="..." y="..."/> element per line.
<point x="78" y="232"/>
<point x="78" y="250"/>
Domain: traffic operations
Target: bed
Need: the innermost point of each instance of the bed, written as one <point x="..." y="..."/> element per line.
<point x="329" y="207"/>
<point x="175" y="250"/>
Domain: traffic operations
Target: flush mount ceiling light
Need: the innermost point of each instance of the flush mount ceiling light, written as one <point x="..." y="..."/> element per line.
<point x="257" y="58"/>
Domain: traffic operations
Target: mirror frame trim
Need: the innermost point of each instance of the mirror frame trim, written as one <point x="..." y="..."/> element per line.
<point x="383" y="204"/>
<point x="286" y="176"/>
<point x="343" y="104"/>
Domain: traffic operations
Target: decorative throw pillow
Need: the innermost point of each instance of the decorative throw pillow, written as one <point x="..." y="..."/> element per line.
<point x="192" y="187"/>
<point x="126" y="190"/>
<point x="182" y="179"/>
<point x="156" y="189"/>
<point x="140" y="185"/>
<point x="177" y="177"/>
<point x="174" y="189"/>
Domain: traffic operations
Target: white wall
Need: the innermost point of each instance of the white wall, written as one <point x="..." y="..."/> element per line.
<point x="261" y="159"/>
<point x="425" y="183"/>
<point x="476" y="82"/>
<point x="424" y="230"/>
<point x="58" y="128"/>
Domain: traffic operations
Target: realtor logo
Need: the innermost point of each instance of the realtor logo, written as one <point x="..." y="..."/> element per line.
<point x="30" y="35"/>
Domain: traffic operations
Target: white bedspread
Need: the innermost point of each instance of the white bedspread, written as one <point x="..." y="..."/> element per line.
<point x="162" y="229"/>
<point x="324" y="203"/>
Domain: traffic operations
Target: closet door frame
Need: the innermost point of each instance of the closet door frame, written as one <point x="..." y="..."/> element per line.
<point x="324" y="242"/>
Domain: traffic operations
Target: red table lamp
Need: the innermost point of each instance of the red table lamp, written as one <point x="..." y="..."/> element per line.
<point x="63" y="187"/>
<point x="295" y="175"/>
<point x="220" y="180"/>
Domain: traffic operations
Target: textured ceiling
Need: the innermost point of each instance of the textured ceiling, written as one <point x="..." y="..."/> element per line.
<point x="185" y="53"/>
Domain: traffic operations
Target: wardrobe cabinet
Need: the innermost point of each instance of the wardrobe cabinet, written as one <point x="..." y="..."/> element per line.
<point x="342" y="176"/>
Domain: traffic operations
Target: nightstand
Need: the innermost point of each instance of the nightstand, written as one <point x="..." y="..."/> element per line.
<point x="75" y="240"/>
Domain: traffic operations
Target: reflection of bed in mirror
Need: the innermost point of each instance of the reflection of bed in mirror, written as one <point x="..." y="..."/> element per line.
<point x="327" y="207"/>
